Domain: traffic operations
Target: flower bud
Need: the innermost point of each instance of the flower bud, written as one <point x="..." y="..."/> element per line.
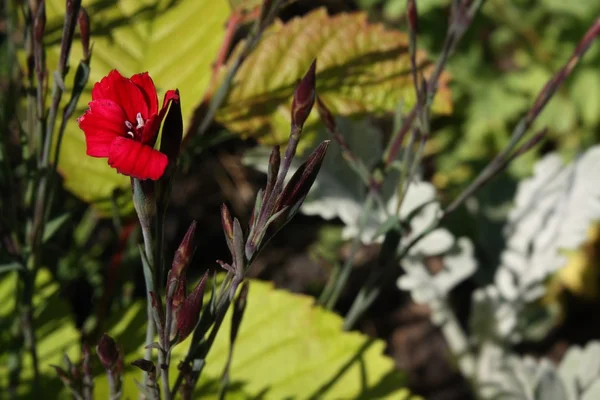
<point x="299" y="185"/>
<point x="184" y="253"/>
<point x="83" y="20"/>
<point x="227" y="223"/>
<point x="189" y="313"/>
<point x="304" y="97"/>
<point x="172" y="133"/>
<point x="412" y="15"/>
<point x="107" y="352"/>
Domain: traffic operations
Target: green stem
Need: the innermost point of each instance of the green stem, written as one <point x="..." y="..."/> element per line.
<point x="149" y="281"/>
<point x="342" y="277"/>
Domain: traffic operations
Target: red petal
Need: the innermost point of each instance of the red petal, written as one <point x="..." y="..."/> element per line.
<point x="151" y="130"/>
<point x="136" y="159"/>
<point x="124" y="92"/>
<point x="146" y="84"/>
<point x="102" y="123"/>
<point x="153" y="124"/>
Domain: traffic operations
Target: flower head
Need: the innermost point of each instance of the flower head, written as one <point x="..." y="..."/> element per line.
<point x="122" y="124"/>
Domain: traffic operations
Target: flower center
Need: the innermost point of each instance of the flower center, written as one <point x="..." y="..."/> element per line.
<point x="138" y="129"/>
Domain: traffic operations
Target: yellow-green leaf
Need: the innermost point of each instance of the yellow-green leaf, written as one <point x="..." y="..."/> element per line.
<point x="286" y="348"/>
<point x="362" y="68"/>
<point x="175" y="41"/>
<point x="55" y="332"/>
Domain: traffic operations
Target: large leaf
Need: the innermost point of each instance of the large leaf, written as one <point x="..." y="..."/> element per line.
<point x="175" y="41"/>
<point x="286" y="348"/>
<point x="362" y="68"/>
<point x="56" y="334"/>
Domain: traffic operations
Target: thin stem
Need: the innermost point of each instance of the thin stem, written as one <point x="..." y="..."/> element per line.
<point x="149" y="282"/>
<point x="164" y="373"/>
<point x="342" y="278"/>
<point x="113" y="386"/>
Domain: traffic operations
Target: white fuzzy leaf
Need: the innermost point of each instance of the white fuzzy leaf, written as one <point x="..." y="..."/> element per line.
<point x="552" y="213"/>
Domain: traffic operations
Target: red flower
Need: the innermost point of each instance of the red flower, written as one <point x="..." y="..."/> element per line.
<point x="122" y="123"/>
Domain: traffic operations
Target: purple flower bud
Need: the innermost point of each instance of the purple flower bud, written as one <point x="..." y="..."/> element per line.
<point x="304" y="97"/>
<point x="413" y="19"/>
<point x="180" y="291"/>
<point x="297" y="188"/>
<point x="227" y="223"/>
<point x="83" y="20"/>
<point x="184" y="253"/>
<point x="189" y="313"/>
<point x="107" y="352"/>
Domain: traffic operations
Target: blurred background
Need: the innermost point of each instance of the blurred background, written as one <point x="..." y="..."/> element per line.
<point x="505" y="58"/>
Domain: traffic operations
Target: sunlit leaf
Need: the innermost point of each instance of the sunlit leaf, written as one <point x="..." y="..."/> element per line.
<point x="56" y="334"/>
<point x="362" y="68"/>
<point x="175" y="41"/>
<point x="286" y="348"/>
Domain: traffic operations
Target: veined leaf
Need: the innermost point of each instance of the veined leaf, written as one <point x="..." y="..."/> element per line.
<point x="362" y="68"/>
<point x="56" y="335"/>
<point x="175" y="41"/>
<point x="286" y="348"/>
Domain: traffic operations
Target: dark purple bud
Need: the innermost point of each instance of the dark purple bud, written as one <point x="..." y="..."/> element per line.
<point x="227" y="223"/>
<point x="304" y="97"/>
<point x="413" y="19"/>
<point x="184" y="253"/>
<point x="239" y="307"/>
<point x="326" y="115"/>
<point x="189" y="313"/>
<point x="172" y="132"/>
<point x="297" y="188"/>
<point x="107" y="352"/>
<point x="145" y="365"/>
<point x="180" y="291"/>
<point x="273" y="170"/>
<point x="83" y="20"/>
<point x="39" y="23"/>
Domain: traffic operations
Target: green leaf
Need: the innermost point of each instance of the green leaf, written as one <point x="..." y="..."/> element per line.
<point x="52" y="227"/>
<point x="585" y="93"/>
<point x="56" y="334"/>
<point x="362" y="68"/>
<point x="175" y="41"/>
<point x="286" y="348"/>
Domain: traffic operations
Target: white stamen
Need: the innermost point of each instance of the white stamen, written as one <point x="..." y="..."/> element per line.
<point x="139" y="120"/>
<point x="130" y="134"/>
<point x="129" y="125"/>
